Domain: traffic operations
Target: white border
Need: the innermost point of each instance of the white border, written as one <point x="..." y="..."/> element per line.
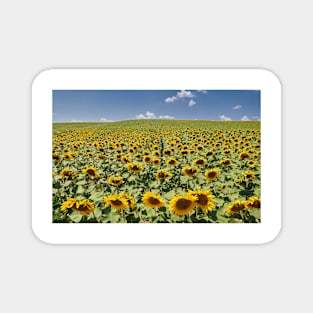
<point x="176" y="79"/>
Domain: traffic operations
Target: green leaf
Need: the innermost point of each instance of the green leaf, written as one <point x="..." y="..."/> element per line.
<point x="154" y="184"/>
<point x="97" y="212"/>
<point x="75" y="217"/>
<point x="106" y="210"/>
<point x="57" y="185"/>
<point x="184" y="179"/>
<point x="80" y="189"/>
<point x="96" y="196"/>
<point x="132" y="219"/>
<point x="218" y="201"/>
<point x="81" y="182"/>
<point x="169" y="195"/>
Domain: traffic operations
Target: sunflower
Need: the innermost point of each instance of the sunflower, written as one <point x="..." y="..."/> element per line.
<point x="137" y="156"/>
<point x="209" y="153"/>
<point x="171" y="162"/>
<point x="129" y="199"/>
<point x="156" y="153"/>
<point x="66" y="173"/>
<point x="152" y="200"/>
<point x="125" y="159"/>
<point x="135" y="168"/>
<point x="115" y="181"/>
<point x="240" y="180"/>
<point x="56" y="157"/>
<point x="183" y="205"/>
<point x="68" y="204"/>
<point x="84" y="207"/>
<point x="226" y="162"/>
<point x="253" y="203"/>
<point x="211" y="174"/>
<point x="244" y="155"/>
<point x="156" y="161"/>
<point x="116" y="202"/>
<point x="167" y="152"/>
<point x="223" y="187"/>
<point x="190" y="171"/>
<point x="67" y="157"/>
<point x="249" y="175"/>
<point x="204" y="199"/>
<point x="91" y="171"/>
<point x="184" y="152"/>
<point x="162" y="174"/>
<point x="251" y="163"/>
<point x="101" y="157"/>
<point x="200" y="161"/>
<point x="147" y="159"/>
<point x="235" y="207"/>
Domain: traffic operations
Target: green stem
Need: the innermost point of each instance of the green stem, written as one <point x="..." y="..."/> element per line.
<point x="94" y="215"/>
<point x="123" y="216"/>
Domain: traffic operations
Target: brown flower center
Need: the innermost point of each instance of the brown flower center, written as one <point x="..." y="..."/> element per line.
<point x="200" y="162"/>
<point x="82" y="208"/>
<point x="153" y="201"/>
<point x="237" y="207"/>
<point x="91" y="172"/>
<point x="183" y="204"/>
<point x="190" y="171"/>
<point x="202" y="199"/>
<point x="116" y="202"/>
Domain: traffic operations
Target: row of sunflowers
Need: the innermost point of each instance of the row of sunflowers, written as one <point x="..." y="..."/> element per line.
<point x="165" y="173"/>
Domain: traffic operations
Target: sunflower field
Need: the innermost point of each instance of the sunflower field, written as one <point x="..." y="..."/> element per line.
<point x="156" y="171"/>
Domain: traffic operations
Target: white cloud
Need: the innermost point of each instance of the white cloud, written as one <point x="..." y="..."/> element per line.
<point x="224" y="118"/>
<point x="256" y="117"/>
<point x="103" y="119"/>
<point x="166" y="117"/>
<point x="180" y="95"/>
<point x="202" y="91"/>
<point x="191" y="103"/>
<point x="245" y="118"/>
<point x="149" y="115"/>
<point x="170" y="99"/>
<point x="141" y="117"/>
<point x="185" y="94"/>
<point x="76" y="121"/>
<point x="236" y="107"/>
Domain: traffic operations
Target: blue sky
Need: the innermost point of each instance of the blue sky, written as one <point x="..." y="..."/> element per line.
<point x="117" y="105"/>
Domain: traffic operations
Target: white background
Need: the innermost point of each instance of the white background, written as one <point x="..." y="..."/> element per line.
<point x="36" y="35"/>
<point x="147" y="79"/>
